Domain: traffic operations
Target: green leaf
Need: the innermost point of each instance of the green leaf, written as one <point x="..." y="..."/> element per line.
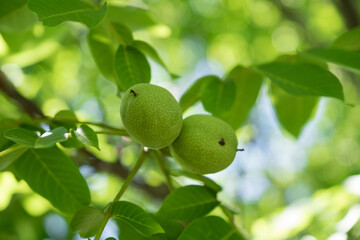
<point x="15" y="16"/>
<point x="135" y="216"/>
<point x="209" y="228"/>
<point x="187" y="203"/>
<point x="102" y="50"/>
<point x="53" y="12"/>
<point x="87" y="221"/>
<point x="218" y="96"/>
<point x="86" y="136"/>
<point x="172" y="228"/>
<point x="53" y="175"/>
<point x="344" y="58"/>
<point x="65" y="118"/>
<point x="303" y="79"/>
<point x="122" y="33"/>
<point x="10" y="155"/>
<point x="193" y="94"/>
<point x="207" y="181"/>
<point x="349" y="40"/>
<point x="34" y="139"/>
<point x="148" y="50"/>
<point x="292" y="111"/>
<point x="247" y="84"/>
<point x="9" y="7"/>
<point x="131" y="67"/>
<point x="134" y="17"/>
<point x="4" y="142"/>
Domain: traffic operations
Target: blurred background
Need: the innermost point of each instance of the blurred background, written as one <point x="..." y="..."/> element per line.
<point x="282" y="187"/>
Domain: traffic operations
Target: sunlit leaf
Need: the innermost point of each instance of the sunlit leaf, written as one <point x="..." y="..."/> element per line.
<point x="209" y="228"/>
<point x="303" y="79"/>
<point x="193" y="93"/>
<point x="248" y="83"/>
<point x="207" y="181"/>
<point x="218" y="96"/>
<point x="344" y="58"/>
<point x="136" y="217"/>
<point x="10" y="155"/>
<point x="53" y="175"/>
<point x="292" y="111"/>
<point x="187" y="203"/>
<point x="87" y="221"/>
<point x="35" y="139"/>
<point x="51" y="13"/>
<point x="131" y="67"/>
<point x="134" y="17"/>
<point x="349" y="40"/>
<point x="148" y="50"/>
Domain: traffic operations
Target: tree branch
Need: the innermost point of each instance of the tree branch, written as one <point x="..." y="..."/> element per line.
<point x="348" y="11"/>
<point x="25" y="104"/>
<point x="84" y="157"/>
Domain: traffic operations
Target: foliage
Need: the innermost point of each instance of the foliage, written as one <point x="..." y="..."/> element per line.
<point x="66" y="64"/>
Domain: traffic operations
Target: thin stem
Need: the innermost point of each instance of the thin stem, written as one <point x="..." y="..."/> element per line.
<point x="49" y="120"/>
<point x="114" y="132"/>
<point x="123" y="188"/>
<point x="131" y="175"/>
<point x="161" y="162"/>
<point x="230" y="216"/>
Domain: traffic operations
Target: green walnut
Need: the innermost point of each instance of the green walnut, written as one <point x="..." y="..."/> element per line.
<point x="151" y="115"/>
<point x="206" y="144"/>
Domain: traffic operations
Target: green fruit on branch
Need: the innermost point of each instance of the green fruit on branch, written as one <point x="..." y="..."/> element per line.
<point x="206" y="144"/>
<point x="151" y="115"/>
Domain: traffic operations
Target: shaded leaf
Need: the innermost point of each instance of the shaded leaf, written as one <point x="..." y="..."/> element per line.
<point x="292" y="111"/>
<point x="349" y="40"/>
<point x="218" y="96"/>
<point x="136" y="217"/>
<point x="86" y="136"/>
<point x="65" y="118"/>
<point x="187" y="203"/>
<point x="15" y="16"/>
<point x="210" y="228"/>
<point x="344" y="58"/>
<point x="102" y="50"/>
<point x="122" y="33"/>
<point x="247" y="84"/>
<point x="34" y="139"/>
<point x="51" y="13"/>
<point x="131" y="67"/>
<point x="87" y="221"/>
<point x="53" y="175"/>
<point x="303" y="79"/>
<point x="193" y="94"/>
<point x="10" y="155"/>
